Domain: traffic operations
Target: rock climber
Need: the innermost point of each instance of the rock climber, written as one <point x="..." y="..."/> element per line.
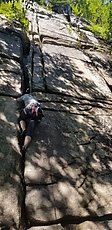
<point x="30" y="114"/>
<point x="66" y="11"/>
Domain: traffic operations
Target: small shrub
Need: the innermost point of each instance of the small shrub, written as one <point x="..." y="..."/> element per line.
<point x="14" y="12"/>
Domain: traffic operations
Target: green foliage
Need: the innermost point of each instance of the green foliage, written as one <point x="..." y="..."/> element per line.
<point x="98" y="13"/>
<point x="76" y="9"/>
<point x="42" y="2"/>
<point x="13" y="11"/>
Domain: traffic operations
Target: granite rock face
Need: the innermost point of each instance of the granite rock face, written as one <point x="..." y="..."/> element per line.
<point x="11" y="197"/>
<point x="65" y="179"/>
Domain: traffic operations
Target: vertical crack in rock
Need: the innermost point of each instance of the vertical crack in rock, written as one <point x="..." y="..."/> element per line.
<point x="42" y="58"/>
<point x="24" y="218"/>
<point x="42" y="61"/>
<point x="43" y="72"/>
<point x="30" y="67"/>
<point x="27" y="68"/>
<point x="26" y="54"/>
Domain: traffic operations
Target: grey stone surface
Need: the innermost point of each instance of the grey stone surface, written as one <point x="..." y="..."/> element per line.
<point x="89" y="37"/>
<point x="33" y="23"/>
<point x="60" y="32"/>
<point x="52" y="227"/>
<point x="83" y="226"/>
<point x="78" y="151"/>
<point x="11" y="191"/>
<point x="88" y="225"/>
<point x="103" y="64"/>
<point x="39" y="201"/>
<point x="10" y="171"/>
<point x="66" y="171"/>
<point x="37" y="165"/>
<point x="3" y="21"/>
<point x="10" y="65"/>
<point x="55" y="30"/>
<point x="8" y="46"/>
<point x="66" y="73"/>
<point x="69" y="160"/>
<point x="10" y="68"/>
<point x="10" y="83"/>
<point x="38" y="79"/>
